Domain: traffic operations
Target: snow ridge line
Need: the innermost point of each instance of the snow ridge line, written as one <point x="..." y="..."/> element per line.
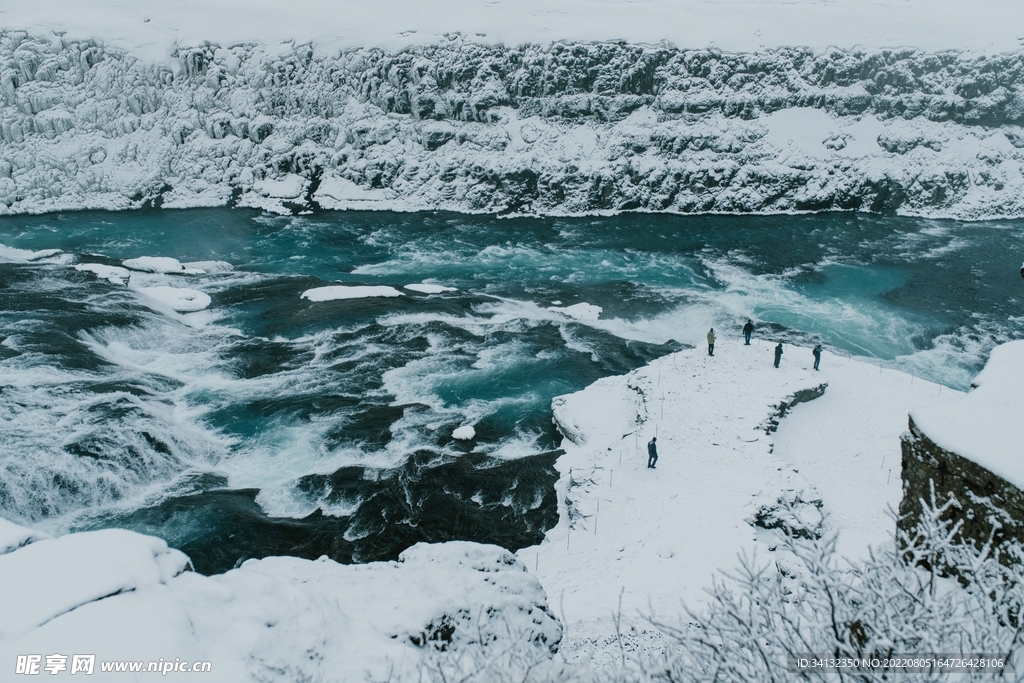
<point x="558" y="129"/>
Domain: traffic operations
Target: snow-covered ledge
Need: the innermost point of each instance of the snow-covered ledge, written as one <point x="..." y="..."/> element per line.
<point x="123" y="596"/>
<point x="733" y="444"/>
<point x="971" y="451"/>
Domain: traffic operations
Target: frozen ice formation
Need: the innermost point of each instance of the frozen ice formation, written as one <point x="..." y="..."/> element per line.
<point x="560" y="128"/>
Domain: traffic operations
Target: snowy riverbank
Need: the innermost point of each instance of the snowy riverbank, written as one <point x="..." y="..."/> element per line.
<point x="685" y="107"/>
<point x="642" y="540"/>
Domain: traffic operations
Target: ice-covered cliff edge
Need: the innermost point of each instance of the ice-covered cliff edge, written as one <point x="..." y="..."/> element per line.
<point x="125" y="597"/>
<point x="547" y="128"/>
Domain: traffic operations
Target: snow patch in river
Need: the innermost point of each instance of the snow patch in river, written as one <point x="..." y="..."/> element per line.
<point x="334" y="293"/>
<point x="180" y="299"/>
<point x="114" y="274"/>
<point x="430" y="289"/>
<point x="464" y="433"/>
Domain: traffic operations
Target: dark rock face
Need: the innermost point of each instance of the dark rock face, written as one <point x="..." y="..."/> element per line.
<point x="986" y="505"/>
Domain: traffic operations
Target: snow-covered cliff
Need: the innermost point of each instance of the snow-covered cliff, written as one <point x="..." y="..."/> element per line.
<point x="473" y="126"/>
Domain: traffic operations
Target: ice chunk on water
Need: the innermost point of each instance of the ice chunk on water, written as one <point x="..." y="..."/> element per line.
<point x="348" y="292"/>
<point x="430" y="289"/>
<point x="115" y="274"/>
<point x="464" y="433"/>
<point x="155" y="264"/>
<point x="178" y="298"/>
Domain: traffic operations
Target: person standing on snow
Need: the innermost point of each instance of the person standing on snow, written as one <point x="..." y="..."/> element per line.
<point x="778" y="354"/>
<point x="748" y="330"/>
<point x="817" y="355"/>
<point x="652" y="453"/>
<point x="711" y="342"/>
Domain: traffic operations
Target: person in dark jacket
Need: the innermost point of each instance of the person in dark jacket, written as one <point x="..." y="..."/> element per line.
<point x="652" y="453"/>
<point x="711" y="342"/>
<point x="748" y="330"/>
<point x="817" y="355"/>
<point x="778" y="354"/>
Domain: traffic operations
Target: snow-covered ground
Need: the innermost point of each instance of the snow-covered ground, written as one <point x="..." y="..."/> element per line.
<point x="569" y="107"/>
<point x="124" y="597"/>
<point x="642" y="540"/>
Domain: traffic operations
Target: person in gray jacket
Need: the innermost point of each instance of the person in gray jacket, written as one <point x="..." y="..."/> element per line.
<point x="711" y="342"/>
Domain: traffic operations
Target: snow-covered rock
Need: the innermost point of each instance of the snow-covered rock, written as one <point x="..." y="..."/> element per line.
<point x="543" y="126"/>
<point x="336" y="292"/>
<point x="114" y="274"/>
<point x="424" y="288"/>
<point x="45" y="579"/>
<point x="125" y="597"/>
<point x="987" y="426"/>
<point x="180" y="299"/>
<point x="154" y="264"/>
<point x="969" y="451"/>
<point x="464" y="433"/>
<point x="730" y="467"/>
<point x="13" y="536"/>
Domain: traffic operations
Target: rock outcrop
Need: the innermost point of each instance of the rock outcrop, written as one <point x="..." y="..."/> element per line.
<point x="987" y="506"/>
<point x="970" y="451"/>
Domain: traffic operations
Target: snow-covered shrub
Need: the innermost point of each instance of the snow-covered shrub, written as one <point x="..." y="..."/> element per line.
<point x="930" y="592"/>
